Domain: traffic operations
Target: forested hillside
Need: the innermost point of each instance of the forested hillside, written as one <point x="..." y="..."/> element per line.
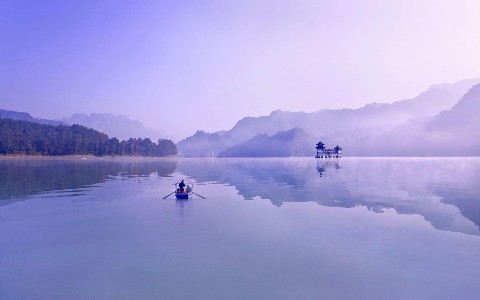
<point x="22" y="137"/>
<point x="294" y="142"/>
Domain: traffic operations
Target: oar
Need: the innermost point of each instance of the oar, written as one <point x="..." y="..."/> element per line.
<point x="168" y="195"/>
<point x="199" y="195"/>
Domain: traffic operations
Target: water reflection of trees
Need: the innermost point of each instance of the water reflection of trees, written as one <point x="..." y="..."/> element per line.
<point x="19" y="178"/>
<point x="409" y="186"/>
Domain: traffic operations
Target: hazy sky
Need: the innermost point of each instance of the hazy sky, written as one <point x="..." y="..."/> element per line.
<point x="187" y="65"/>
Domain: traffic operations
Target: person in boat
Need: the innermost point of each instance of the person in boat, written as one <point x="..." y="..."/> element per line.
<point x="181" y="186"/>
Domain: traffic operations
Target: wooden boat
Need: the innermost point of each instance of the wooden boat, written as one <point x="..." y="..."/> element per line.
<point x="181" y="195"/>
<point x="184" y="193"/>
<point x="187" y="192"/>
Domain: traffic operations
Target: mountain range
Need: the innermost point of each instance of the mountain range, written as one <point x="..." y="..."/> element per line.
<point x="426" y="125"/>
<point x="441" y="121"/>
<point x="293" y="142"/>
<point x="23" y="116"/>
<point x="118" y="126"/>
<point x="452" y="132"/>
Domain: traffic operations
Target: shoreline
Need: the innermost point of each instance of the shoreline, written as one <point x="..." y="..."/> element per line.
<point x="93" y="157"/>
<point x="76" y="156"/>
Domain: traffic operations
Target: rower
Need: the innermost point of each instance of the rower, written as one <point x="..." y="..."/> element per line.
<point x="181" y="185"/>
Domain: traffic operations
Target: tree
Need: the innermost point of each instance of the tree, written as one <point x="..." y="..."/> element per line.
<point x="23" y="137"/>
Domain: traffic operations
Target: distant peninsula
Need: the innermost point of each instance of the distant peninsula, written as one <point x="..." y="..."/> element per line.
<point x="23" y="137"/>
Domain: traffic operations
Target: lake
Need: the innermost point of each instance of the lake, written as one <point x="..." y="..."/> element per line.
<point x="293" y="228"/>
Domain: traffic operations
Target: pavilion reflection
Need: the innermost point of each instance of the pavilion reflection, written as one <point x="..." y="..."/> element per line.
<point x="327" y="163"/>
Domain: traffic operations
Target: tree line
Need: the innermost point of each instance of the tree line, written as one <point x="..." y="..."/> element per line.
<point x="23" y="137"/>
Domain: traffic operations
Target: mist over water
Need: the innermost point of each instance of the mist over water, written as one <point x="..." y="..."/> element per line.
<point x="294" y="228"/>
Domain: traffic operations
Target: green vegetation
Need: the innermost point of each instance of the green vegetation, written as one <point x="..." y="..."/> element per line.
<point x="22" y="137"/>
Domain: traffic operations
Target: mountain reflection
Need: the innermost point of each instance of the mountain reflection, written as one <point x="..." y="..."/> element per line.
<point x="443" y="191"/>
<point x="19" y="178"/>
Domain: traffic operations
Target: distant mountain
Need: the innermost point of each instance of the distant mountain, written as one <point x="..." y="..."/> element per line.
<point x="459" y="127"/>
<point x="294" y="142"/>
<point x="23" y="116"/>
<point x="465" y="115"/>
<point x="453" y="132"/>
<point x="357" y="129"/>
<point x="457" y="89"/>
<point x="202" y="144"/>
<point x="118" y="126"/>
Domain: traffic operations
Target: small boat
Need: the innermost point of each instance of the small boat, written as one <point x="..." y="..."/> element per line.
<point x="183" y="193"/>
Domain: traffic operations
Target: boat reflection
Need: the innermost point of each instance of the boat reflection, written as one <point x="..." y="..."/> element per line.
<point x="181" y="208"/>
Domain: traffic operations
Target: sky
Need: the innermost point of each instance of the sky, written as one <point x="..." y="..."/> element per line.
<point x="183" y="66"/>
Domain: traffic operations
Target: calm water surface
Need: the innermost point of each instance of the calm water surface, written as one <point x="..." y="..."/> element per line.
<point x="300" y="228"/>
